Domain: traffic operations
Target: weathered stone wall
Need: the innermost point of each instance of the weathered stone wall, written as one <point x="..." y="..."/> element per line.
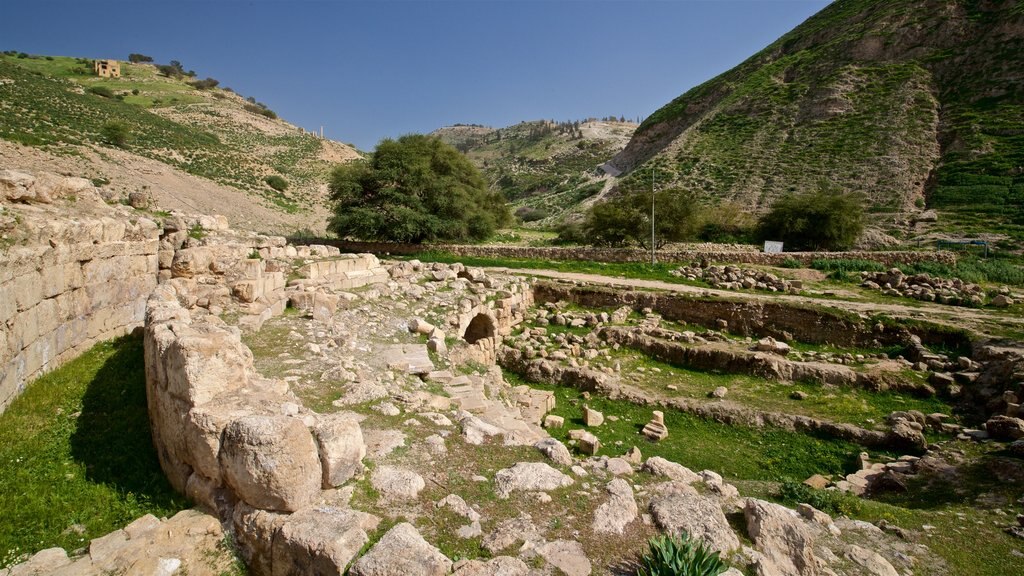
<point x="243" y="445"/>
<point x="73" y="272"/>
<point x="632" y="255"/>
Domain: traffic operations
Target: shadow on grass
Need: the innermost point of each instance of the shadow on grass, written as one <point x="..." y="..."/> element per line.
<point x="994" y="476"/>
<point x="112" y="439"/>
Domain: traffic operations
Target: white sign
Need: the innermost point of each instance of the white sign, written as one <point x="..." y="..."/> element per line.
<point x="772" y="247"/>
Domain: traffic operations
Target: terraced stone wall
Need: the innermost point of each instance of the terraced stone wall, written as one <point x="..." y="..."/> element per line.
<point x="73" y="272"/>
<point x="711" y="253"/>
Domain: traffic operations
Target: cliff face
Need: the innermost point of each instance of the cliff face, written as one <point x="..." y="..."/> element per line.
<point x="906" y="101"/>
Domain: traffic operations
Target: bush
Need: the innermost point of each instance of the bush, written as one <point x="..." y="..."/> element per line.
<point x="206" y="84"/>
<point x="627" y="219"/>
<point x="137" y="58"/>
<point x="114" y="133"/>
<point x="531" y="214"/>
<point x="414" y="189"/>
<point x="791" y="263"/>
<point x="101" y="91"/>
<point x="679" y="556"/>
<point x="261" y="110"/>
<point x="727" y="222"/>
<point x="814" y="221"/>
<point x="276" y="182"/>
<point x="570" y="233"/>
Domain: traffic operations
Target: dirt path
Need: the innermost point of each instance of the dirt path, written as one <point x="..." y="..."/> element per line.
<point x="979" y="320"/>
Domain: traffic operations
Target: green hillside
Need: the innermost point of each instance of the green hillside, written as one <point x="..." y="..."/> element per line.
<point x="544" y="168"/>
<point x="57" y="103"/>
<point x="915" y="103"/>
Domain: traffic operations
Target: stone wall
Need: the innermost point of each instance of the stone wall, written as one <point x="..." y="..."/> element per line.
<point x="243" y="445"/>
<point x="73" y="272"/>
<point x="633" y="255"/>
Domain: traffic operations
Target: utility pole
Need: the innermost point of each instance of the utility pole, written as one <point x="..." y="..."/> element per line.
<point x="652" y="215"/>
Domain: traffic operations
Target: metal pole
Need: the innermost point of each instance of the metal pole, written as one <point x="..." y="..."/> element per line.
<point x="652" y="216"/>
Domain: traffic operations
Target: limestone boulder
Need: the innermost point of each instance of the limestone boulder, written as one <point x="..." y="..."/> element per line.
<point x="671" y="470"/>
<point x="555" y="451"/>
<point x="618" y="511"/>
<point x="402" y="551"/>
<point x="341" y="448"/>
<point x="529" y="477"/>
<point x="785" y="543"/>
<point x="872" y="563"/>
<point x="1005" y="428"/>
<point x="271" y="462"/>
<point x="397" y="483"/>
<point x="567" y="556"/>
<point x="320" y="540"/>
<point x="698" y="515"/>
<point x="907" y="436"/>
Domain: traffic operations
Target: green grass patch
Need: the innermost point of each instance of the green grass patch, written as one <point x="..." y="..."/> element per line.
<point x="76" y="457"/>
<point x="735" y="452"/>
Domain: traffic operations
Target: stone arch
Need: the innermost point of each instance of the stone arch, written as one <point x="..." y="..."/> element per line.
<point x="480" y="327"/>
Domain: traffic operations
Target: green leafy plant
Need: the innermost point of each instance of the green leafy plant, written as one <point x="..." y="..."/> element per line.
<point x="679" y="556"/>
<point x="101" y="91"/>
<point x="114" y="133"/>
<point x="197" y="232"/>
<point x="830" y="501"/>
<point x="276" y="182"/>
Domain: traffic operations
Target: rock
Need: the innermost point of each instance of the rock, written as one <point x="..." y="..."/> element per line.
<point x="511" y="531"/>
<point x="588" y="443"/>
<point x="402" y="551"/>
<point x="1002" y="301"/>
<point x="456" y="504"/>
<point x="618" y="467"/>
<point x="633" y="456"/>
<point x="552" y="421"/>
<point x="437" y="346"/>
<point x="396" y="483"/>
<point x="871" y="561"/>
<point x="697" y="515"/>
<point x="592" y="417"/>
<point x="785" y="543"/>
<point x="618" y="511"/>
<point x="340" y="441"/>
<point x="656" y="429"/>
<point x="475" y="430"/>
<point x="661" y="467"/>
<point x="567" y="556"/>
<point x="500" y="566"/>
<point x="772" y="345"/>
<point x="271" y="462"/>
<point x="320" y="540"/>
<point x="420" y="326"/>
<point x="555" y="451"/>
<point x="719" y="392"/>
<point x="798" y="395"/>
<point x="906" y="436"/>
<point x="529" y="477"/>
<point x="1005" y="428"/>
<point x="818" y="482"/>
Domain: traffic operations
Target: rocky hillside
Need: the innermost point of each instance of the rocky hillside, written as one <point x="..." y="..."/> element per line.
<point x="914" y="103"/>
<point x="208" y="150"/>
<point x="546" y="169"/>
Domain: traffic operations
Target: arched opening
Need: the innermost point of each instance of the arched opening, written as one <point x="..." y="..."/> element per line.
<point x="480" y="327"/>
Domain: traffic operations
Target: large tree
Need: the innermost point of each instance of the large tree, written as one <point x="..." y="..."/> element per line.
<point x="414" y="189"/>
<point x="822" y="220"/>
<point x="627" y="219"/>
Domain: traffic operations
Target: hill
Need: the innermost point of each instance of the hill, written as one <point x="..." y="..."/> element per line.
<point x="546" y="169"/>
<point x="195" y="149"/>
<point x="915" y="103"/>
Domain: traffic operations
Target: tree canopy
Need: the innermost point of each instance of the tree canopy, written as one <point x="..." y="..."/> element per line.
<point x="820" y="220"/>
<point x="627" y="219"/>
<point x="414" y="189"/>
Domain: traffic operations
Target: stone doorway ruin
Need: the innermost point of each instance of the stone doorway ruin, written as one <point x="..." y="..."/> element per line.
<point x="480" y="327"/>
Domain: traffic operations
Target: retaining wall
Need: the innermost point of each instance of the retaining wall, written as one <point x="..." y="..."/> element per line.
<point x="633" y="255"/>
<point x="68" y="284"/>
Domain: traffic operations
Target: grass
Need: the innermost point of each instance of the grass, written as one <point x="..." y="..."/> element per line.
<point x="736" y="453"/>
<point x="76" y="458"/>
<point x="968" y="268"/>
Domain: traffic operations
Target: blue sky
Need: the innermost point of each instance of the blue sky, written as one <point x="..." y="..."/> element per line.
<point x="366" y="70"/>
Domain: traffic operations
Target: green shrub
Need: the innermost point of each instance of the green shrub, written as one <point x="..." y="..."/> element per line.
<point x="531" y="214"/>
<point x="137" y="58"/>
<point x="114" y="133"/>
<point x="262" y="110"/>
<point x="276" y="182"/>
<point x="814" y="220"/>
<point x="830" y="501"/>
<point x="197" y="232"/>
<point x="101" y="91"/>
<point x="679" y="556"/>
<point x="791" y="263"/>
<point x="206" y="84"/>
